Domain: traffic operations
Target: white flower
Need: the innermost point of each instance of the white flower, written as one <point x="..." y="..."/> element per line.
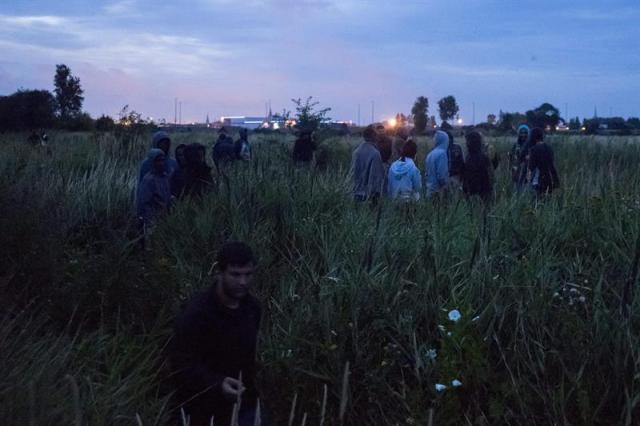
<point x="454" y="315"/>
<point x="440" y="387"/>
<point x="476" y="318"/>
<point x="582" y="299"/>
<point x="449" y="334"/>
<point x="456" y="383"/>
<point x="441" y="328"/>
<point x="432" y="354"/>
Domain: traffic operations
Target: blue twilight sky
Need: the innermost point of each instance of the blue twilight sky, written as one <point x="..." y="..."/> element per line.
<point x="226" y="57"/>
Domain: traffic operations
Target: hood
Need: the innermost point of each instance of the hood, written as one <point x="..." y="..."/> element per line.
<point x="157" y="137"/>
<point x="525" y="127"/>
<point x="400" y="168"/>
<point x="442" y="140"/>
<point x="155" y="153"/>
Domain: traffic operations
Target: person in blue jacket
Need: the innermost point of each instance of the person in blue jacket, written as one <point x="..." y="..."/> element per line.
<point x="162" y="141"/>
<point x="437" y="165"/>
<point x="404" y="181"/>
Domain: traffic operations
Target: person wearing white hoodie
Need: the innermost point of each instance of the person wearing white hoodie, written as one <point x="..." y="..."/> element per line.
<point x="437" y="165"/>
<point x="404" y="182"/>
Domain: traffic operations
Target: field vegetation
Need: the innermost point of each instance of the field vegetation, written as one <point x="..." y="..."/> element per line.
<point x="358" y="303"/>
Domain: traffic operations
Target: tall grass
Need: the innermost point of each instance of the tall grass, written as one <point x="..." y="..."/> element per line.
<point x="548" y="332"/>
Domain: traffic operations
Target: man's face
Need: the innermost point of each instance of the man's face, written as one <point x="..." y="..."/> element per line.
<point x="165" y="145"/>
<point x="158" y="164"/>
<point x="522" y="136"/>
<point x="237" y="280"/>
<point x="180" y="156"/>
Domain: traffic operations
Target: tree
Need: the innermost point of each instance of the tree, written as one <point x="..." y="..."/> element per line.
<point x="633" y="122"/>
<point x="491" y="119"/>
<point x="419" y="112"/>
<point x="68" y="93"/>
<point x="283" y="116"/>
<point x="448" y="108"/>
<point x="27" y="110"/>
<point x="546" y="115"/>
<point x="307" y="117"/>
<point x="104" y="123"/>
<point x="574" y="124"/>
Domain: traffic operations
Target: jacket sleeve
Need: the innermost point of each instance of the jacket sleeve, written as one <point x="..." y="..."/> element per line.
<point x="442" y="170"/>
<point x="416" y="180"/>
<point x="188" y="361"/>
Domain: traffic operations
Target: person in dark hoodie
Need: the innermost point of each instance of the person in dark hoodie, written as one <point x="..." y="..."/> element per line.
<point x="213" y="350"/>
<point x="477" y="171"/>
<point x="224" y="151"/>
<point x="367" y="169"/>
<point x="385" y="144"/>
<point x="161" y="140"/>
<point x="304" y="148"/>
<point x="243" y="147"/>
<point x="154" y="196"/>
<point x="179" y="154"/>
<point x="404" y="182"/>
<point x="518" y="157"/>
<point x="177" y="179"/>
<point x="544" y="176"/>
<point x="456" y="162"/>
<point x="198" y="179"/>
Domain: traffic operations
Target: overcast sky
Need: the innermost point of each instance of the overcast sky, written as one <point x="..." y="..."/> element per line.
<point x="226" y="57"/>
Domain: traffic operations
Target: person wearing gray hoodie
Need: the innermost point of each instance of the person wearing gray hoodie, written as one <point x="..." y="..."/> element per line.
<point x="437" y="165"/>
<point x="367" y="169"/>
<point x="162" y="141"/>
<point x="154" y="194"/>
<point x="404" y="182"/>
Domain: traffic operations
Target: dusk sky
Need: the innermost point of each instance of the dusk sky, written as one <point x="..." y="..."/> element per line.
<point x="225" y="57"/>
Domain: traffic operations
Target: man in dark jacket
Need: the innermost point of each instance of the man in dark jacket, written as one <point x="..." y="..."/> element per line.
<point x="456" y="162"/>
<point x="304" y="147"/>
<point x="214" y="347"/>
<point x="544" y="176"/>
<point x="224" y="150"/>
<point x="367" y="169"/>
<point x="477" y="171"/>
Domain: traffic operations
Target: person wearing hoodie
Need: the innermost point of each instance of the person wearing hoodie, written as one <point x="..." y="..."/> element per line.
<point x="404" y="181"/>
<point x="544" y="176"/>
<point x="477" y="171"/>
<point x="224" y="151"/>
<point x="304" y="147"/>
<point x="162" y="141"/>
<point x="198" y="178"/>
<point x="456" y="162"/>
<point x="177" y="179"/>
<point x="154" y="196"/>
<point x="367" y="169"/>
<point x="437" y="165"/>
<point x="243" y="147"/>
<point x="518" y="157"/>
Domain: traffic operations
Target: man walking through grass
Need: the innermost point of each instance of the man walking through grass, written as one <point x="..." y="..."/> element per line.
<point x="213" y="351"/>
<point x="367" y="169"/>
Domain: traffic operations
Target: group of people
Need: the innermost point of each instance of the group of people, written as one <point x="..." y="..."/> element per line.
<point x="384" y="166"/>
<point x="163" y="179"/>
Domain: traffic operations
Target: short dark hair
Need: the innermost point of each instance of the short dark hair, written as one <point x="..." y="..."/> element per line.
<point x="234" y="253"/>
<point x="474" y="142"/>
<point x="537" y="135"/>
<point x="369" y="133"/>
<point x="409" y="149"/>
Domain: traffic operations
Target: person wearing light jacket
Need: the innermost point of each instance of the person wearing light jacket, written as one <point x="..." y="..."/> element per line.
<point x="367" y="169"/>
<point x="404" y="182"/>
<point x="437" y="165"/>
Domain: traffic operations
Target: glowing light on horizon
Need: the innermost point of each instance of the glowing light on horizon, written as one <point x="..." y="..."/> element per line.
<point x="392" y="122"/>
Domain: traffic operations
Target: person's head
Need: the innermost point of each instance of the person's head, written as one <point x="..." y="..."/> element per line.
<point x="380" y="129"/>
<point x="162" y="141"/>
<point x="523" y="133"/>
<point x="474" y="142"/>
<point x="537" y="135"/>
<point x="157" y="158"/>
<point x="244" y="134"/>
<point x="236" y="265"/>
<point x="194" y="155"/>
<point x="409" y="149"/>
<point x="179" y="153"/>
<point x="202" y="153"/>
<point x="441" y="139"/>
<point x="370" y="134"/>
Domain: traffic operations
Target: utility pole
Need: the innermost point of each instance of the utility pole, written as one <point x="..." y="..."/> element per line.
<point x="566" y="111"/>
<point x="175" y="111"/>
<point x="473" y="120"/>
<point x="373" y="107"/>
<point x="180" y="112"/>
<point x="358" y="114"/>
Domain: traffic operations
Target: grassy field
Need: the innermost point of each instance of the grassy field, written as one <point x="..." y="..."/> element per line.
<point x="356" y="301"/>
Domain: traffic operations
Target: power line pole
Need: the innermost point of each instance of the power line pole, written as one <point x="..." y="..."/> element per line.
<point x="175" y="111"/>
<point x="473" y="121"/>
<point x="373" y="107"/>
<point x="180" y="112"/>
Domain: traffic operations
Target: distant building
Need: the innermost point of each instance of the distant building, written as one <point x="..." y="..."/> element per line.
<point x="243" y="121"/>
